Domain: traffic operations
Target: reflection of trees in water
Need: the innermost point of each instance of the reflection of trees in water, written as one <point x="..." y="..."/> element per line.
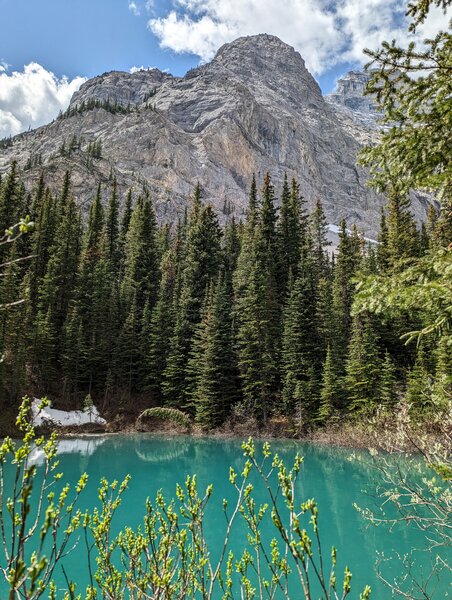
<point x="168" y="449"/>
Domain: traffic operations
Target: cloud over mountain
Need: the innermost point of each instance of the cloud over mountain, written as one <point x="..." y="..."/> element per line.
<point x="32" y="97"/>
<point x="325" y="32"/>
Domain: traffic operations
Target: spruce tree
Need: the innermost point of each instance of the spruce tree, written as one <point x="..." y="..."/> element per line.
<point x="402" y="234"/>
<point x="342" y="294"/>
<point x="9" y="201"/>
<point x="43" y="241"/>
<point x="212" y="361"/>
<point x="74" y="355"/>
<point x="291" y="230"/>
<point x="59" y="284"/>
<point x="112" y="229"/>
<point x="127" y="359"/>
<point x="363" y="367"/>
<point x="231" y="251"/>
<point x="387" y="392"/>
<point x="442" y="386"/>
<point x="201" y="265"/>
<point x="328" y="390"/>
<point x="319" y="229"/>
<point x="125" y="222"/>
<point x="259" y="332"/>
<point x="140" y="274"/>
<point x="419" y="385"/>
<point x="300" y="346"/>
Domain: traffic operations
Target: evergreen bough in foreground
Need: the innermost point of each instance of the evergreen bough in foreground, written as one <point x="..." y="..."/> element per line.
<point x="168" y="556"/>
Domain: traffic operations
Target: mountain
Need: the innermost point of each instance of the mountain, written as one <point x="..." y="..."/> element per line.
<point x="253" y="108"/>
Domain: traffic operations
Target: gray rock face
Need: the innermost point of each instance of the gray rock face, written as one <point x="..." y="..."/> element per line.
<point x="350" y="93"/>
<point x="118" y="87"/>
<point x="254" y="108"/>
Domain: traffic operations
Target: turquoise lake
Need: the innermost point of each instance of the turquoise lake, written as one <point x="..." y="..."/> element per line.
<point x="328" y="475"/>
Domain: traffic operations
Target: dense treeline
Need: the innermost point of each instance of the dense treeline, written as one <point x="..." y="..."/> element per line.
<point x="252" y="319"/>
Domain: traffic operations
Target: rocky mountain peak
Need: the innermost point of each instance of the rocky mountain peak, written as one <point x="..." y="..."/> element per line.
<point x="254" y="108"/>
<point x="264" y="49"/>
<point x="350" y="90"/>
<point x="265" y="62"/>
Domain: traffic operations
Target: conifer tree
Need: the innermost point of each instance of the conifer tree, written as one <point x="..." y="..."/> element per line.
<point x="127" y="357"/>
<point x="342" y="294"/>
<point x="419" y="384"/>
<point x="212" y="361"/>
<point x="43" y="241"/>
<point x="245" y="257"/>
<point x="9" y="200"/>
<point x="45" y="342"/>
<point x="363" y="367"/>
<point x="92" y="297"/>
<point x="141" y="277"/>
<point x="112" y="229"/>
<point x="388" y="395"/>
<point x="267" y="223"/>
<point x="38" y="197"/>
<point x="258" y="332"/>
<point x="253" y="207"/>
<point x="300" y="344"/>
<point x="292" y="228"/>
<point x="59" y="284"/>
<point x="328" y="390"/>
<point x="319" y="228"/>
<point x="200" y="266"/>
<point x="442" y="386"/>
<point x="382" y="248"/>
<point x="12" y="328"/>
<point x="231" y="251"/>
<point x="125" y="222"/>
<point x="74" y="355"/>
<point x="9" y="205"/>
<point x="402" y="235"/>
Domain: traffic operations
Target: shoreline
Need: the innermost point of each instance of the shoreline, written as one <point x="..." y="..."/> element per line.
<point x="348" y="436"/>
<point x="379" y="433"/>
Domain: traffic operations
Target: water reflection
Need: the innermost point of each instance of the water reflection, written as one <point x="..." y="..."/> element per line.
<point x="84" y="446"/>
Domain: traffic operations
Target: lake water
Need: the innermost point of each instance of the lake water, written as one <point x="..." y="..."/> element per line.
<point x="158" y="463"/>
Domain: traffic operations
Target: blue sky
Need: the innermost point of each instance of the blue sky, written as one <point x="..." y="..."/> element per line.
<point x="43" y="40"/>
<point x="81" y="37"/>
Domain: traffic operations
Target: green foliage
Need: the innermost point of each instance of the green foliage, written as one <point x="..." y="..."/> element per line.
<point x="412" y="87"/>
<point x="424" y="286"/>
<point x="329" y="391"/>
<point x="92" y="104"/>
<point x="212" y="363"/>
<point x="301" y="346"/>
<point x="363" y="367"/>
<point x="166" y="414"/>
<point x="387" y="392"/>
<point x="28" y="568"/>
<point x="88" y="404"/>
<point x="206" y="319"/>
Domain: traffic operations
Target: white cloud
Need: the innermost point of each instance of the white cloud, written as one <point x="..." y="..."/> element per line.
<point x="32" y="97"/>
<point x="134" y="8"/>
<point x="325" y="32"/>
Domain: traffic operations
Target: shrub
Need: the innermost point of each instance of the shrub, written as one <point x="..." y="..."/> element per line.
<point x="161" y="413"/>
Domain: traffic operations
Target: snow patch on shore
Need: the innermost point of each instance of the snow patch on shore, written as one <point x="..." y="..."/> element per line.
<point x="63" y="418"/>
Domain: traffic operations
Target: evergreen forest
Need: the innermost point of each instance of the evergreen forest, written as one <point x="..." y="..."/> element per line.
<point x="252" y="319"/>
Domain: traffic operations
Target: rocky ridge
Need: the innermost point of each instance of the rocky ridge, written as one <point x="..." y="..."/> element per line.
<point x="254" y="108"/>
